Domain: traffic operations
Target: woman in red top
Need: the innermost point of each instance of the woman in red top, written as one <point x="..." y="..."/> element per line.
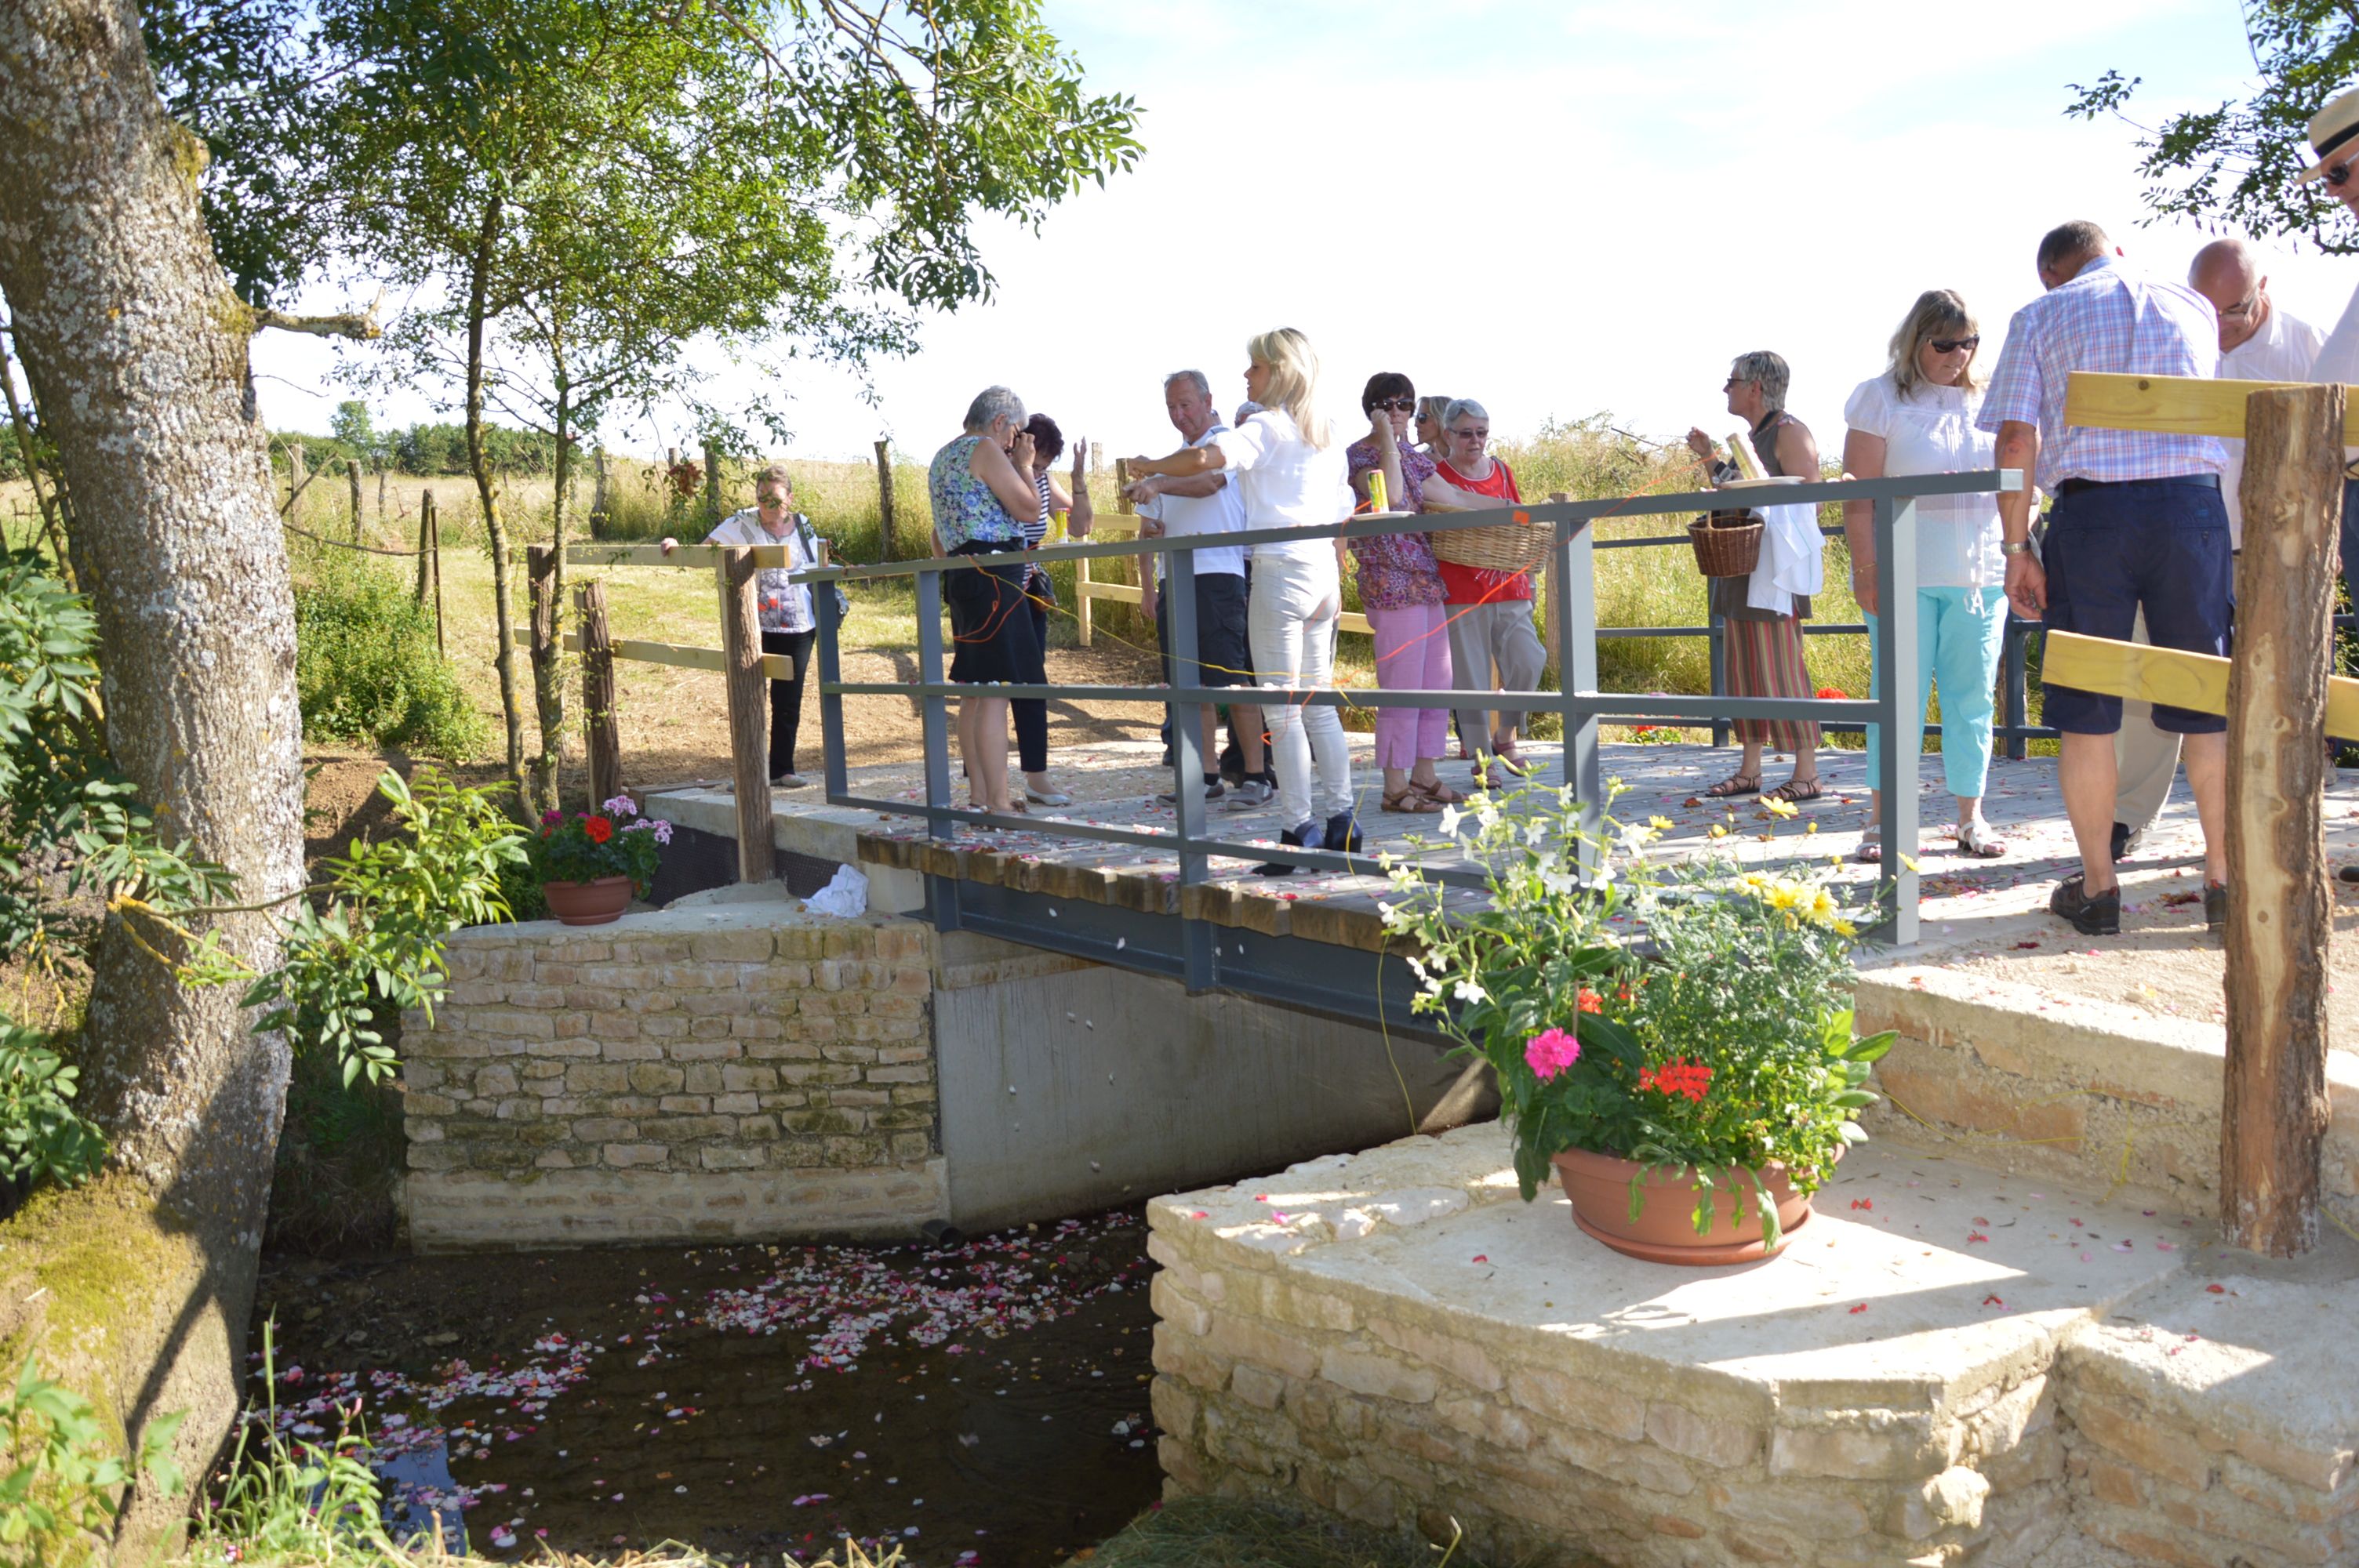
<point x="1490" y="612"/>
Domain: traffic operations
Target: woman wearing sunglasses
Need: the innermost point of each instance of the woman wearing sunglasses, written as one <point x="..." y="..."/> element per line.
<point x="1400" y="590"/>
<point x="1916" y="418"/>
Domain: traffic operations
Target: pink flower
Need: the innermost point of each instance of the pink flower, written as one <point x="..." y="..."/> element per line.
<point x="1551" y="1052"/>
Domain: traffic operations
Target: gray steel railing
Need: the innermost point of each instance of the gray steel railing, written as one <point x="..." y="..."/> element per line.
<point x="1570" y="586"/>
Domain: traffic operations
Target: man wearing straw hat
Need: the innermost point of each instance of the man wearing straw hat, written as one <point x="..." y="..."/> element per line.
<point x="2138" y="526"/>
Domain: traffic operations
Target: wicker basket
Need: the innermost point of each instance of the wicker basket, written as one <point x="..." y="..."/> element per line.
<point x="1508" y="547"/>
<point x="1727" y="544"/>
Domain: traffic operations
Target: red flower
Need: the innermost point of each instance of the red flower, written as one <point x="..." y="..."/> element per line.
<point x="598" y="828"/>
<point x="1831" y="694"/>
<point x="1590" y="1002"/>
<point x="1677" y="1076"/>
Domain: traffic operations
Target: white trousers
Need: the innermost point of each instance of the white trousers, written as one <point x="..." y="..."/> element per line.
<point x="1291" y="621"/>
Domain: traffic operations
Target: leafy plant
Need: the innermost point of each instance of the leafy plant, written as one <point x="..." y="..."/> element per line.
<point x="63" y="1487"/>
<point x="608" y="842"/>
<point x="40" y="1136"/>
<point x="378" y="941"/>
<point x="1699" y="1024"/>
<point x="367" y="666"/>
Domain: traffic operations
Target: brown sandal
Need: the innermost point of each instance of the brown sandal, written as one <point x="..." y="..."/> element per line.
<point x="1409" y="798"/>
<point x="1733" y="785"/>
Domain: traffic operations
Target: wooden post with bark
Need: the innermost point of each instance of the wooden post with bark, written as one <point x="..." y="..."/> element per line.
<point x="541" y="574"/>
<point x="352" y="485"/>
<point x="601" y="741"/>
<point x="885" y="499"/>
<point x="601" y="505"/>
<point x="430" y="529"/>
<point x="298" y="474"/>
<point x="749" y="712"/>
<point x="711" y="487"/>
<point x="2274" y="1101"/>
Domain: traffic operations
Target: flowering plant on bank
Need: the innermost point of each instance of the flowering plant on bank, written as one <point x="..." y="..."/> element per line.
<point x="613" y="841"/>
<point x="1688" y="1021"/>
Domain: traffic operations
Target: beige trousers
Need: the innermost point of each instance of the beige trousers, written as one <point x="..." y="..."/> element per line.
<point x="2146" y="758"/>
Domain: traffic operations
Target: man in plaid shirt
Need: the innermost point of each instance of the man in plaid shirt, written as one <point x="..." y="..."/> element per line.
<point x="2138" y="523"/>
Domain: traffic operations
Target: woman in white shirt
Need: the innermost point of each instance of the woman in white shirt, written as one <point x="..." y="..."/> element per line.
<point x="1293" y="474"/>
<point x="1919" y="417"/>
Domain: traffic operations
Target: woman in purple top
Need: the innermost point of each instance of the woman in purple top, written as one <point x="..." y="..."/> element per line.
<point x="1400" y="589"/>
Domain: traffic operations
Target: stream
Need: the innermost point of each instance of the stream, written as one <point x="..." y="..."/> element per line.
<point x="979" y="1405"/>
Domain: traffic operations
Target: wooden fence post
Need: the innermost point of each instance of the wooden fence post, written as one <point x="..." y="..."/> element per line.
<point x="353" y="483"/>
<point x="711" y="487"/>
<point x="2272" y="1113"/>
<point x="885" y="498"/>
<point x="604" y="742"/>
<point x="749" y="713"/>
<point x="432" y="522"/>
<point x="380" y="498"/>
<point x="425" y="544"/>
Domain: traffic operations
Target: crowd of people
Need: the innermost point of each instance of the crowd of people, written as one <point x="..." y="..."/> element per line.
<point x="2137" y="542"/>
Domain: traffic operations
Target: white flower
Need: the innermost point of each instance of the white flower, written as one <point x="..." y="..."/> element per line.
<point x="1485" y="813"/>
<point x="1467" y="990"/>
<point x="1450" y="818"/>
<point x="1416" y="965"/>
<point x="1534" y="831"/>
<point x="1559" y="882"/>
<point x="1432" y="987"/>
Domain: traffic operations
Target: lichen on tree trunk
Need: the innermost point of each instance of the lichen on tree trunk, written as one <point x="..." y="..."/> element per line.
<point x="111" y="278"/>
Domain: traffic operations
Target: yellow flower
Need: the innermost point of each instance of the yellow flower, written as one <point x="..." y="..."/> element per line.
<point x="1822" y="907"/>
<point x="1660" y="824"/>
<point x="1718" y="831"/>
<point x="1780" y="809"/>
<point x="1810" y="827"/>
<point x="1790" y="896"/>
<point x="1846" y="928"/>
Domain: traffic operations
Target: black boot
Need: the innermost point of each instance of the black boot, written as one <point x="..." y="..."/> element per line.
<point x="1306" y="836"/>
<point x="1344" y="834"/>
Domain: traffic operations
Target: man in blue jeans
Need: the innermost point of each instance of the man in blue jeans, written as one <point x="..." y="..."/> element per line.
<point x="2138" y="525"/>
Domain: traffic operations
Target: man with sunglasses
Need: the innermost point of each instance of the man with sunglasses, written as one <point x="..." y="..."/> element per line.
<point x="2137" y="526"/>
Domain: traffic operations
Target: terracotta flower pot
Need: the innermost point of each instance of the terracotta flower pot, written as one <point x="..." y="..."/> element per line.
<point x="588" y="903"/>
<point x="1664" y="1232"/>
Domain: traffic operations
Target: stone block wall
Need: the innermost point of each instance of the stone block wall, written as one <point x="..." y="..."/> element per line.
<point x="763" y="1070"/>
<point x="2102" y="1096"/>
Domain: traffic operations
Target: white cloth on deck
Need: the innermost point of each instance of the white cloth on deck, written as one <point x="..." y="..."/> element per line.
<point x="1793" y="559"/>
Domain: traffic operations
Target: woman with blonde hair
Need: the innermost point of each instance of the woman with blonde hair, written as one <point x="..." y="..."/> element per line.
<point x="1293" y="474"/>
<point x="1918" y="417"/>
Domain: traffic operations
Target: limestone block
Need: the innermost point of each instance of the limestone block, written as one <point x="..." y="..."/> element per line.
<point x="737" y="1078"/>
<point x="685" y="1105"/>
<point x="1865" y="1445"/>
<point x="1955" y="1498"/>
<point x="855" y="1150"/>
<point x="511" y="1023"/>
<point x="2219" y="1514"/>
<point x="1999" y="1426"/>
<point x="2320" y="1469"/>
<point x="1631" y="1463"/>
<point x="909" y="1146"/>
<point x="1238" y="1338"/>
<point x="657" y="1078"/>
<point x="1819" y="1511"/>
<point x="1255" y="1387"/>
<point x="733" y="1105"/>
<point x="535" y="995"/>
<point x="702" y="1078"/>
<point x="593" y="999"/>
<point x="707" y="1029"/>
<point x="688" y="1128"/>
<point x="415" y="1104"/>
<point x="665" y="1026"/>
<point x="1578" y="1402"/>
<point x="1174" y="1407"/>
<point x="1377" y="1375"/>
<point x="631" y="1050"/>
<point x="2143" y="1438"/>
<point x="597" y="1077"/>
<point x="1465" y="1362"/>
<point x="712" y="1004"/>
<point x="572" y="1047"/>
<point x="720" y="1157"/>
<point x="543" y="1072"/>
<point x="437" y="1156"/>
<point x="704" y="1048"/>
<point x="631" y="1156"/>
<point x="2038" y="1457"/>
<point x="1174" y="1306"/>
<point x="606" y="1130"/>
<point x="731" y="946"/>
<point x="918" y="1072"/>
<point x="1723" y="1444"/>
<point x="1493" y="1422"/>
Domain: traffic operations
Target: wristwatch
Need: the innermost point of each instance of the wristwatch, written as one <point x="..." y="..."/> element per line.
<point x="2016" y="548"/>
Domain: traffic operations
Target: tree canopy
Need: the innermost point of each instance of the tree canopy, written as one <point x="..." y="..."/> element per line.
<point x="2235" y="166"/>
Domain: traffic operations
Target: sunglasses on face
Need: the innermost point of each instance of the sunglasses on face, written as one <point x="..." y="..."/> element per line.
<point x="2238" y="312"/>
<point x="768" y="501"/>
<point x="1951" y="345"/>
<point x="1468" y="435"/>
<point x="1395" y="405"/>
<point x="1735" y="380"/>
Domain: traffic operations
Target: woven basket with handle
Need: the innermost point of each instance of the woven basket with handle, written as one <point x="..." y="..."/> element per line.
<point x="1508" y="547"/>
<point x="1727" y="544"/>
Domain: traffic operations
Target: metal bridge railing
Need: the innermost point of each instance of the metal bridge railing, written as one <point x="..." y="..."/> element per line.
<point x="1570" y="586"/>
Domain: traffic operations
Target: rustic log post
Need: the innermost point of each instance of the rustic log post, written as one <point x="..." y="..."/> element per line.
<point x="424" y="549"/>
<point x="380" y="498"/>
<point x="540" y="575"/>
<point x="2272" y="1113"/>
<point x="711" y="487"/>
<point x="603" y="742"/>
<point x="749" y="713"/>
<point x="885" y="499"/>
<point x="298" y="467"/>
<point x="434" y="525"/>
<point x="353" y="485"/>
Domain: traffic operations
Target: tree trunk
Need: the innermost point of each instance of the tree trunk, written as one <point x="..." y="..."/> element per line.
<point x="605" y="743"/>
<point x="494" y="525"/>
<point x="108" y="267"/>
<point x="549" y="668"/>
<point x="2273" y="1110"/>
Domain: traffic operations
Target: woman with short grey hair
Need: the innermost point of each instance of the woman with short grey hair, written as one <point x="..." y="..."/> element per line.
<point x="1765" y="646"/>
<point x="1489" y="612"/>
<point x="982" y="489"/>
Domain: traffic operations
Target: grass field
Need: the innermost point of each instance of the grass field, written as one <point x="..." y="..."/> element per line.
<point x="670" y="717"/>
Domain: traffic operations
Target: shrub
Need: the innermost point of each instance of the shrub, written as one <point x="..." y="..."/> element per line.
<point x="366" y="668"/>
<point x="40" y="1136"/>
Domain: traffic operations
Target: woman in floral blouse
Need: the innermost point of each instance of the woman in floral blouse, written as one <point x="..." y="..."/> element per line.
<point x="1400" y="589"/>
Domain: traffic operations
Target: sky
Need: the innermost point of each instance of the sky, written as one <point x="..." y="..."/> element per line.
<point x="1559" y="210"/>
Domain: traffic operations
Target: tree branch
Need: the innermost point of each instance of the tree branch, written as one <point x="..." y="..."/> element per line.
<point x="361" y="324"/>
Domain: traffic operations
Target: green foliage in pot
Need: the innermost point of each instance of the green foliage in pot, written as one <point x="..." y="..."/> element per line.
<point x="1692" y="1021"/>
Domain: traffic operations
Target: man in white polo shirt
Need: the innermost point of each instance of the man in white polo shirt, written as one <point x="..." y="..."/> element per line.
<point x="1207" y="503"/>
<point x="2258" y="341"/>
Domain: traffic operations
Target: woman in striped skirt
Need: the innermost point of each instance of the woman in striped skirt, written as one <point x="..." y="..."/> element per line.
<point x="1764" y="646"/>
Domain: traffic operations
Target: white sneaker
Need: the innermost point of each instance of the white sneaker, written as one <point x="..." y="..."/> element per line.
<point x="1252" y="795"/>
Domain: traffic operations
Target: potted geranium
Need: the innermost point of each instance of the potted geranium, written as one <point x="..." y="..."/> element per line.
<point x="590" y="862"/>
<point x="1676" y="1049"/>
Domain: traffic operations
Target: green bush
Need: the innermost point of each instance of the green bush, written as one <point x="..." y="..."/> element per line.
<point x="366" y="668"/>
